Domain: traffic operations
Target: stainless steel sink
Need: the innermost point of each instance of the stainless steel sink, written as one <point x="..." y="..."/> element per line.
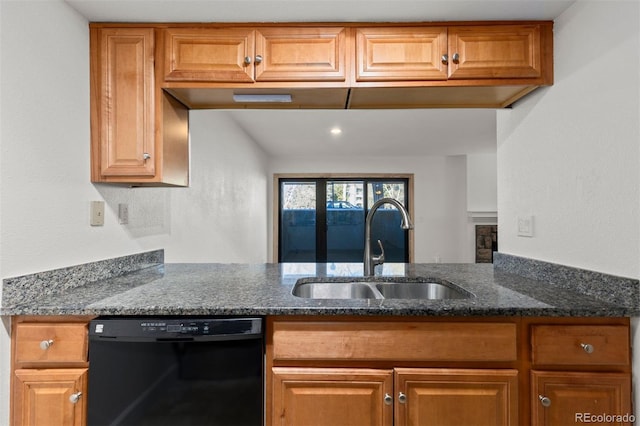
<point x="381" y="289"/>
<point x="324" y="290"/>
<point x="420" y="291"/>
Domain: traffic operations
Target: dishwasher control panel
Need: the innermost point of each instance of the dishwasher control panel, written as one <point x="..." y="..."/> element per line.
<point x="174" y="328"/>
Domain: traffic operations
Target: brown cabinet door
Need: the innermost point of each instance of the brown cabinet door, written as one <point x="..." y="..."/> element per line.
<point x="301" y="54"/>
<point x="209" y="54"/>
<point x="500" y="51"/>
<point x="563" y="398"/>
<point x="453" y="397"/>
<point x="401" y="54"/>
<point x="124" y="66"/>
<point x="331" y="396"/>
<point x="49" y="397"/>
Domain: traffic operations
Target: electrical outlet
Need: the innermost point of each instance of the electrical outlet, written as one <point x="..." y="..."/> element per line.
<point x="123" y="214"/>
<point x="525" y="226"/>
<point x="97" y="213"/>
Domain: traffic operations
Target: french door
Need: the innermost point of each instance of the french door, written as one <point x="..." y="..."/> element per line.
<point x="323" y="219"/>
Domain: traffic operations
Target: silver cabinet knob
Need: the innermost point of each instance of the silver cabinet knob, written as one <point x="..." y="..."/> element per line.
<point x="46" y="344"/>
<point x="545" y="401"/>
<point x="75" y="397"/>
<point x="445" y="59"/>
<point x="388" y="399"/>
<point x="587" y="347"/>
<point x="402" y="398"/>
<point x="456" y="58"/>
<point x="247" y="60"/>
<point x="146" y="156"/>
<point x="258" y="59"/>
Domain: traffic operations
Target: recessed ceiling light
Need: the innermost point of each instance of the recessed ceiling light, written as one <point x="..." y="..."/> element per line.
<point x="336" y="131"/>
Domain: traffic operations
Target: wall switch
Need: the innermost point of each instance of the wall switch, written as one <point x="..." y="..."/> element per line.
<point x="123" y="213"/>
<point x="97" y="213"/>
<point x="525" y="226"/>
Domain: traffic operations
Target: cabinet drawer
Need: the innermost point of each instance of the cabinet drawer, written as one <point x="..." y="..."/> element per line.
<point x="394" y="341"/>
<point x="580" y="345"/>
<point x="61" y="343"/>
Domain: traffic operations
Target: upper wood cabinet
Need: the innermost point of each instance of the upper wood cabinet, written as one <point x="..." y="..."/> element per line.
<point x="450" y="52"/>
<point x="248" y="55"/>
<point x="124" y="75"/>
<point x="401" y="53"/>
<point x="139" y="133"/>
<point x="501" y="51"/>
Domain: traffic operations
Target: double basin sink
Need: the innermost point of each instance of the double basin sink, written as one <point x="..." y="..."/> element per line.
<point x="385" y="288"/>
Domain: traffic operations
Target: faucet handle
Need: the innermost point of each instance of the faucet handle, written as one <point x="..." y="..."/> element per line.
<point x="379" y="260"/>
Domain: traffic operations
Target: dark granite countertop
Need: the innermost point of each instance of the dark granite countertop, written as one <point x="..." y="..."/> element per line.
<point x="265" y="289"/>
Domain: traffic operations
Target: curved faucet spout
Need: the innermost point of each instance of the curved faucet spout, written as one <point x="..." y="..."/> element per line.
<point x="370" y="261"/>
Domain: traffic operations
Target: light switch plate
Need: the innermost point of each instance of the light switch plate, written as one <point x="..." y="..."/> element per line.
<point x="123" y="213"/>
<point x="525" y="226"/>
<point x="97" y="213"/>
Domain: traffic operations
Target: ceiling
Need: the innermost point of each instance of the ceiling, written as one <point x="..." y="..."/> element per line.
<point x="364" y="132"/>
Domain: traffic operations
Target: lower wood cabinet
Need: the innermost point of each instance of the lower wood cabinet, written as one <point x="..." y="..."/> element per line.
<point x="581" y="397"/>
<point x="401" y="396"/>
<point x="332" y="396"/>
<point x="50" y="396"/>
<point x="49" y="371"/>
<point x="455" y="371"/>
<point x="453" y="397"/>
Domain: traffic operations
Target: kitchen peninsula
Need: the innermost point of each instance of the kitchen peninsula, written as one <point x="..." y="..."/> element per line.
<point x="506" y="336"/>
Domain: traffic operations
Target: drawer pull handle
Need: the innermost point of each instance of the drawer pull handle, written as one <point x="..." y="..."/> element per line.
<point x="388" y="399"/>
<point x="75" y="397"/>
<point x="545" y="401"/>
<point x="402" y="398"/>
<point x="46" y="344"/>
<point x="587" y="347"/>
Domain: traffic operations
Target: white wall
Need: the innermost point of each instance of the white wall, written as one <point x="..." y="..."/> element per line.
<point x="570" y="154"/>
<point x="439" y="196"/>
<point x="221" y="216"/>
<point x="44" y="169"/>
<point x="482" y="187"/>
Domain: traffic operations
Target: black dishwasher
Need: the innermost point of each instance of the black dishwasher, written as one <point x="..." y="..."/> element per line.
<point x="175" y="371"/>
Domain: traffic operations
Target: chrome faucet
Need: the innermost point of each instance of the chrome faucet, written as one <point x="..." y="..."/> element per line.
<point x="370" y="261"/>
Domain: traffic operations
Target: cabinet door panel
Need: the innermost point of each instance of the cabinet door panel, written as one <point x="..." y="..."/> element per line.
<point x="41" y="397"/>
<point x="209" y="54"/>
<point x="452" y="397"/>
<point x="301" y="54"/>
<point x="401" y="54"/>
<point x="573" y="396"/>
<point x="127" y="130"/>
<point x="331" y="396"/>
<point x="504" y="51"/>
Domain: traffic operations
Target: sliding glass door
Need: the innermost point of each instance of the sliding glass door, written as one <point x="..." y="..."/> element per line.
<point x="323" y="220"/>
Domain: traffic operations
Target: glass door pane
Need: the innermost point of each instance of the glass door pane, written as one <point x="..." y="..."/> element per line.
<point x="386" y="222"/>
<point x="297" y="222"/>
<point x="345" y="221"/>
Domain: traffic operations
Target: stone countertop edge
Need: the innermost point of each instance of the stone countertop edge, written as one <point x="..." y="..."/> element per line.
<point x="143" y="285"/>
